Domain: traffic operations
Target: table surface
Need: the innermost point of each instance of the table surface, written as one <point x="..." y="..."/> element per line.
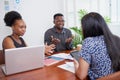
<point x="51" y="72"/>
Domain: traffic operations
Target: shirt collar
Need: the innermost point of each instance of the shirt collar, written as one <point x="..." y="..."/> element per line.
<point x="63" y="31"/>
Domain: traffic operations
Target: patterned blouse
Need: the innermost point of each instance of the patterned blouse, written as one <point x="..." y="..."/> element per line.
<point x="94" y="52"/>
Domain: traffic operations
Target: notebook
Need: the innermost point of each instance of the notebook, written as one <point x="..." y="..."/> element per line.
<point x="23" y="59"/>
<point x="52" y="60"/>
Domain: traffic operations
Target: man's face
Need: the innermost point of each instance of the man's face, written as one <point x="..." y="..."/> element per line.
<point x="59" y="22"/>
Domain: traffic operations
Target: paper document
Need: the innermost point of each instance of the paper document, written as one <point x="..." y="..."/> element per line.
<point x="63" y="55"/>
<point x="69" y="66"/>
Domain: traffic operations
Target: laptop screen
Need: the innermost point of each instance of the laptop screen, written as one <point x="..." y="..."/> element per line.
<point x="23" y="59"/>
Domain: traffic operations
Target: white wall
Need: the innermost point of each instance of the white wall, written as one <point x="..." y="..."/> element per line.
<point x="115" y="28"/>
<point x="100" y="6"/>
<point x="38" y="15"/>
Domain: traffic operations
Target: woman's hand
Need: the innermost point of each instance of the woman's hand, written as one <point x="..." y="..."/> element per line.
<point x="49" y="49"/>
<point x="76" y="64"/>
<point x="81" y="69"/>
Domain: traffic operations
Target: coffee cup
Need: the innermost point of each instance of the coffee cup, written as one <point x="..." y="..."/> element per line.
<point x="78" y="47"/>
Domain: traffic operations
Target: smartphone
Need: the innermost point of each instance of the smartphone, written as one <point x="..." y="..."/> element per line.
<point x="75" y="55"/>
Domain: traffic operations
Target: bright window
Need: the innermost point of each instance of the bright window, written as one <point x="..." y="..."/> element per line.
<point x="109" y="8"/>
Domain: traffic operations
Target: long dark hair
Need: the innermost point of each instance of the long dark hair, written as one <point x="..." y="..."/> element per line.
<point x="93" y="25"/>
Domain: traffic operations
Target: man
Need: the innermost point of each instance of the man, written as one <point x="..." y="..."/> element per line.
<point x="58" y="35"/>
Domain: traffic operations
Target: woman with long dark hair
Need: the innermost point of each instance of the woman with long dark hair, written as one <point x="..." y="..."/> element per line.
<point x="100" y="52"/>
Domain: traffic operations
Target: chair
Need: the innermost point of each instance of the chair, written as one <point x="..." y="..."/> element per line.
<point x="113" y="76"/>
<point x="2" y="61"/>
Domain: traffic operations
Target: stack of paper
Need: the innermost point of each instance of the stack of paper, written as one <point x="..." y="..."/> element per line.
<point x="63" y="55"/>
<point x="69" y="66"/>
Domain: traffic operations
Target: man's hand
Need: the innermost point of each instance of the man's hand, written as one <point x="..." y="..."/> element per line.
<point x="68" y="40"/>
<point x="49" y="49"/>
<point x="55" y="40"/>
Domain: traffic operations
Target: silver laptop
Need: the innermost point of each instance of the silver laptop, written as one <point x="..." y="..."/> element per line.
<point x="23" y="59"/>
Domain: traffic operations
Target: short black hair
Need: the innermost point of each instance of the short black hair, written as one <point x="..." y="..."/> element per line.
<point x="10" y="18"/>
<point x="57" y="14"/>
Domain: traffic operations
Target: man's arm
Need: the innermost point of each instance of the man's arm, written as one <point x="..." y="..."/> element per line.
<point x="47" y="38"/>
<point x="69" y="44"/>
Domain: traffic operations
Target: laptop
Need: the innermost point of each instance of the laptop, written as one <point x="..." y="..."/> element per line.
<point x="23" y="59"/>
